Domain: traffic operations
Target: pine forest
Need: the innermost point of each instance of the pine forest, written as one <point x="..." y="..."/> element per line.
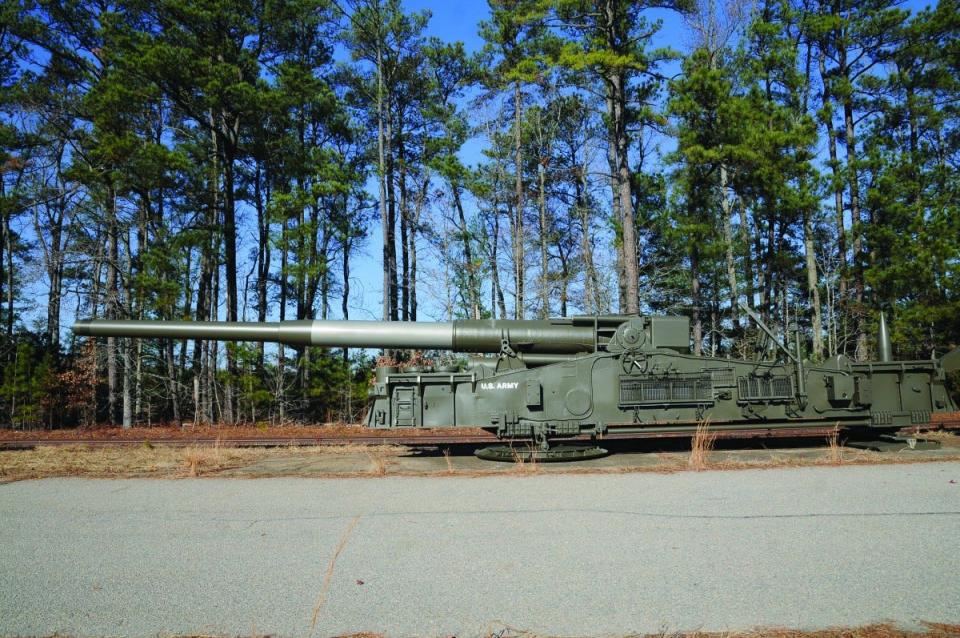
<point x="265" y="160"/>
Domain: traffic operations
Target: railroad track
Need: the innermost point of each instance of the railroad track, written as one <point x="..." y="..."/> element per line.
<point x="441" y="439"/>
<point x="407" y="440"/>
<point x="266" y="441"/>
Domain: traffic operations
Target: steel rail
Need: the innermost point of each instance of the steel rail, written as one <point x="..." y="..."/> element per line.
<point x="434" y="440"/>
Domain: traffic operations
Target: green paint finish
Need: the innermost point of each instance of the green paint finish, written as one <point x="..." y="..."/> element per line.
<point x="594" y="375"/>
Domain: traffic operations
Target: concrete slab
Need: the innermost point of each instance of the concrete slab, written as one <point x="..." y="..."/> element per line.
<point x="595" y="555"/>
<point x="434" y="461"/>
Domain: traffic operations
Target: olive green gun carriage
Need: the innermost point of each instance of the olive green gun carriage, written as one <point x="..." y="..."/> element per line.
<point x="589" y="377"/>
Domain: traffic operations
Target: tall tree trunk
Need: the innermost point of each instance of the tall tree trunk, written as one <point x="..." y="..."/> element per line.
<point x="172" y="382"/>
<point x="404" y="233"/>
<point x="261" y="199"/>
<point x="617" y="90"/>
<point x="519" y="239"/>
<point x="199" y="359"/>
<point x="385" y="222"/>
<point x="4" y="225"/>
<point x="473" y="292"/>
<point x="630" y="265"/>
<point x="591" y="285"/>
<point x="727" y="204"/>
<point x="744" y="232"/>
<point x="843" y="72"/>
<point x="813" y="287"/>
<point x="564" y="259"/>
<point x="128" y="348"/>
<point x="125" y="349"/>
<point x="230" y="259"/>
<point x="392" y="222"/>
<point x="544" y="254"/>
<point x="345" y="288"/>
<point x="136" y="267"/>
<point x="281" y="399"/>
<point x="414" y="229"/>
<point x="53" y="253"/>
<point x="10" y="275"/>
<point x="695" y="299"/>
<point x="781" y="275"/>
<point x="855" y="215"/>
<point x="214" y="407"/>
<point x="110" y="311"/>
<point x="300" y="288"/>
<point x="498" y="300"/>
<point x="769" y="267"/>
<point x="615" y="203"/>
<point x="826" y="118"/>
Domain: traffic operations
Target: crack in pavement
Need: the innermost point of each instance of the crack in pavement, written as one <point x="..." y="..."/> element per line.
<point x="638" y="514"/>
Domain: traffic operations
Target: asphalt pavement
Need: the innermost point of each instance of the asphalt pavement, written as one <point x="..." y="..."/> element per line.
<point x="552" y="554"/>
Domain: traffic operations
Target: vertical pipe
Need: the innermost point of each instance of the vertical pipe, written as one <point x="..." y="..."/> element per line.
<point x="884" y="347"/>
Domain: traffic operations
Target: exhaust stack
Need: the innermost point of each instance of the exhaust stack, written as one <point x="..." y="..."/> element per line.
<point x="884" y="347"/>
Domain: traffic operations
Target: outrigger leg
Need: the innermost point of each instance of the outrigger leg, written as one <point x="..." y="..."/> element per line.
<point x="539" y="450"/>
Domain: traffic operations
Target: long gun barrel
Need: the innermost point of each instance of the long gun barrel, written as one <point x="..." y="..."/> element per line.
<point x="562" y="336"/>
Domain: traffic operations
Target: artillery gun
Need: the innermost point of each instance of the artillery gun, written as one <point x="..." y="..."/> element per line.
<point x="595" y="376"/>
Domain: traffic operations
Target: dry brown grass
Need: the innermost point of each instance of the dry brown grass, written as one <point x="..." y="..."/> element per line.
<point x="366" y="461"/>
<point x="879" y="630"/>
<point x="378" y="462"/>
<point x="523" y="465"/>
<point x="701" y="445"/>
<point x="834" y="449"/>
<point x="155" y="461"/>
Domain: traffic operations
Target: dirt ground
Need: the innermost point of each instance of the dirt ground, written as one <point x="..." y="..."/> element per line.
<point x="159" y="461"/>
<point x="880" y="630"/>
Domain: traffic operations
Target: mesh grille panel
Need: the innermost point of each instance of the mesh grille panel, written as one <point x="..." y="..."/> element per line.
<point x="721" y="377"/>
<point x="658" y="390"/>
<point x="765" y="388"/>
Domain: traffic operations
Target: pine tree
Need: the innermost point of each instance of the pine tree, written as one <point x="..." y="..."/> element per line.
<point x="914" y="236"/>
<point x="518" y="42"/>
<point x="611" y="39"/>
